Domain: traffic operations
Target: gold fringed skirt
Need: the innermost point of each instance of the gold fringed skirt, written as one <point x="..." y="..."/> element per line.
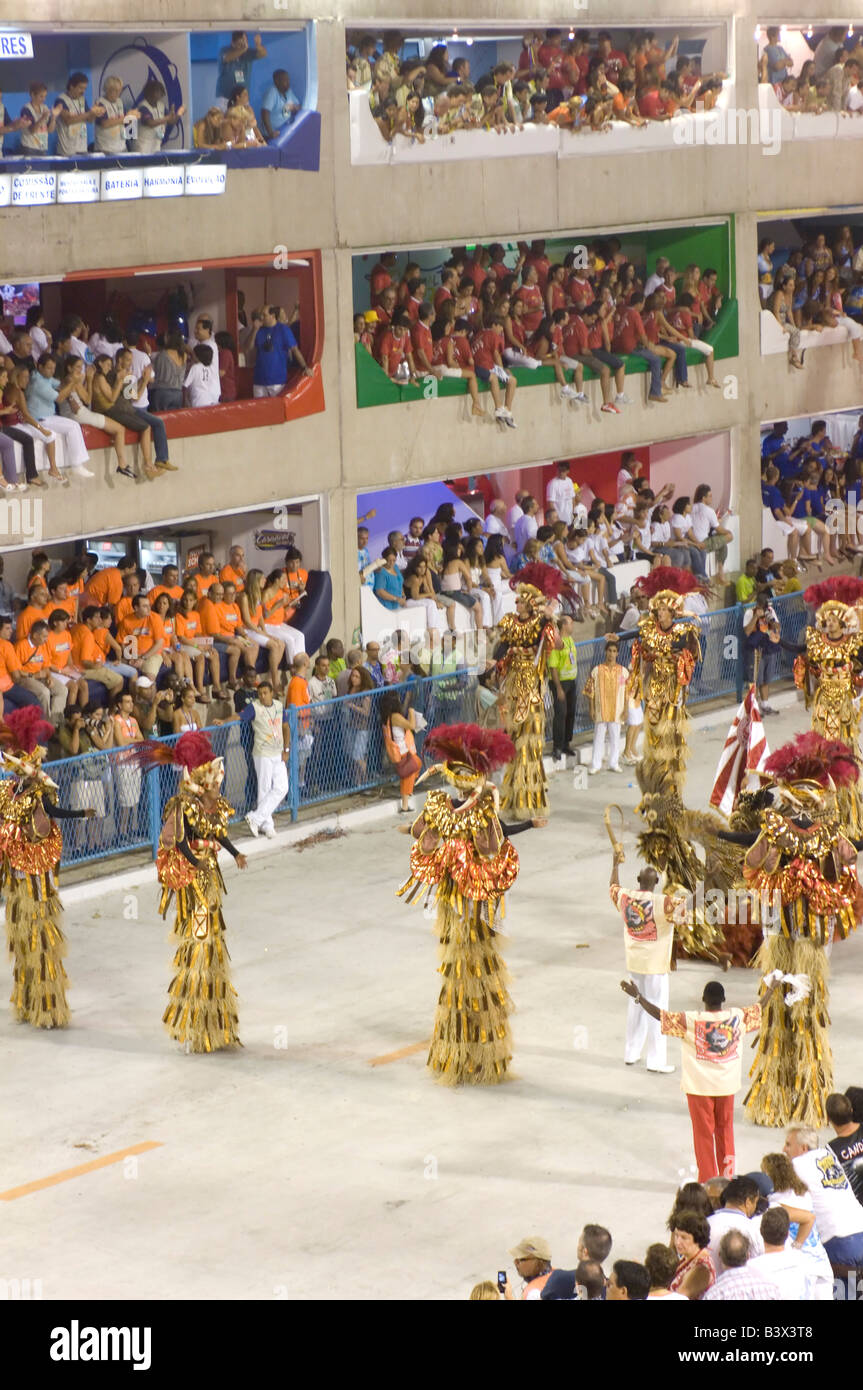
<point x="792" y="1074"/>
<point x="525" y="786"/>
<point x="202" y="1003"/>
<point x="37" y="947"/>
<point x="472" y="1042"/>
<point x="665" y="729"/>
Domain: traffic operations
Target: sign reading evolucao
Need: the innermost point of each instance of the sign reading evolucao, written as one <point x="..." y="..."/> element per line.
<point x="37" y="189"/>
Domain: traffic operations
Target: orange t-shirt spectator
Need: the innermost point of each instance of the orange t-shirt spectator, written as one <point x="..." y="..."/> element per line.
<point x="33" y="613"/>
<point x="105" y="588"/>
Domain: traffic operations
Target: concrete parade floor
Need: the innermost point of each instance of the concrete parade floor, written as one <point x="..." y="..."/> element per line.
<point x="296" y="1169"/>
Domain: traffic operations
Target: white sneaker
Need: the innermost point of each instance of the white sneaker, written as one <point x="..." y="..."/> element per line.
<point x="254" y="828"/>
<point x="622" y="399"/>
<point x="270" y="832"/>
<point x="508" y="420"/>
<point x="83" y="473"/>
<point x="580" y="396"/>
<point x="592" y="771"/>
<point x="662" y="1071"/>
<point x="615" y="768"/>
<point x="569" y="393"/>
<point x="500" y="413"/>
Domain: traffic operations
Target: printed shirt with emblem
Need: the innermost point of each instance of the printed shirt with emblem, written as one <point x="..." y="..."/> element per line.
<point x="648" y="929"/>
<point x="712" y="1048"/>
<point x="837" y="1211"/>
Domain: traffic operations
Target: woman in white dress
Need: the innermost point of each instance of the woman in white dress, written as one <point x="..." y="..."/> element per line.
<point x="502" y="596"/>
<point x="481" y="585"/>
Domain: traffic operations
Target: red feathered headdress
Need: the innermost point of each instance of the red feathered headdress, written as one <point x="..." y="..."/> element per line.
<point x="24" y="728"/>
<point x="481" y="749"/>
<point x="190" y="751"/>
<point x="666" y="577"/>
<point x="546" y="578"/>
<point x="809" y="757"/>
<point x="843" y="588"/>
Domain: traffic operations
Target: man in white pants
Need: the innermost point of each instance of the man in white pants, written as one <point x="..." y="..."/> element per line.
<point x="269" y="755"/>
<point x="648" y="936"/>
<point x="607" y="692"/>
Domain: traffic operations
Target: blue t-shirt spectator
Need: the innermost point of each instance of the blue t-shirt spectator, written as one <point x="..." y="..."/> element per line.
<point x="273" y="347"/>
<point x="42" y="395"/>
<point x="282" y="107"/>
<point x="389" y="588"/>
<point x="234" y="72"/>
<point x="778" y="62"/>
<point x="854" y="302"/>
<point x="772" y="497"/>
<point x="364" y="559"/>
<point x="817" y="498"/>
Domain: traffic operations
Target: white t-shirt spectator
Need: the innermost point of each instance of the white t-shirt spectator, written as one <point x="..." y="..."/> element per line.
<point x="110" y="139"/>
<point x="837" y="1211"/>
<point x="514" y="514"/>
<point x="653" y="283"/>
<point x="72" y="139"/>
<point x="149" y="137"/>
<point x="724" y="1220"/>
<point x="140" y="360"/>
<point x="495" y="527"/>
<point x="202" y="384"/>
<point x="99" y="344"/>
<point x="704" y="519"/>
<point x="560" y="493"/>
<point x="660" y="532"/>
<point x="790" y="1270"/>
<point x="525" y="530"/>
<point x="681" y="525"/>
<point x="40" y="341"/>
<point x="854" y="99"/>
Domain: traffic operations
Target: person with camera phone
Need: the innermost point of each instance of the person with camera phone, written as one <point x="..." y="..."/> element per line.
<point x="762" y="637"/>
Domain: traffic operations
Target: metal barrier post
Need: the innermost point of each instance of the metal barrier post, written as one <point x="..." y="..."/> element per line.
<point x="154" y="809"/>
<point x="738" y="635"/>
<point x="293" y="762"/>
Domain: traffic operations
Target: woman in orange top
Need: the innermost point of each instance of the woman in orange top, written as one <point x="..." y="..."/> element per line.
<point x="296" y="579"/>
<point x="172" y="656"/>
<point x="273" y="603"/>
<point x="400" y="745"/>
<point x="192" y="644"/>
<point x="252" y="610"/>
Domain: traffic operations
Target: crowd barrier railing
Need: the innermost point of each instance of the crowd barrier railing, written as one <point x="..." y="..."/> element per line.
<point x="337" y="746"/>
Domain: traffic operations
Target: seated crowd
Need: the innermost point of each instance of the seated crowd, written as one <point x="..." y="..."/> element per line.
<point x="813" y="287"/>
<point x="53" y="383"/>
<point x="70" y="124"/>
<point x="442" y="563"/>
<point x="593" y="309"/>
<point x="828" y="81"/>
<point x="778" y="1234"/>
<point x="581" y="82"/>
<point x="799" y="482"/>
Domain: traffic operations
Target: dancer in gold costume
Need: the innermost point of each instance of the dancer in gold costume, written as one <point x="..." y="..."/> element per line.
<point x="527" y="636"/>
<point x="828" y="671"/>
<point x="31" y="844"/>
<point x="462" y="851"/>
<point x="202" y="1006"/>
<point x="664" y="656"/>
<point x="801" y="871"/>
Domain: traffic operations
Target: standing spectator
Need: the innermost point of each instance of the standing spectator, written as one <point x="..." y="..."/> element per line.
<point x="527" y="525"/>
<point x="270" y="752"/>
<point x="629" y="1282"/>
<point x="274" y="348"/>
<point x="127" y="783"/>
<point x="169" y="367"/>
<point x="298" y="695"/>
<point x="563" y="670"/>
<point x="848" y="1144"/>
<point x="235" y="65"/>
<point x="607" y="691"/>
<point x="37" y="121"/>
<point x="737" y="1213"/>
<point x="533" y="1265"/>
<point x="838" y="1214"/>
<point x="73" y="116"/>
<point x="227" y="366"/>
<point x="560" y="492"/>
<point x="762" y="636"/>
<point x="738" y="1281"/>
<point x="278" y="107"/>
<point x="110" y="133"/>
<point x="201" y="382"/>
<point x="712" y="1058"/>
<point x="154" y="119"/>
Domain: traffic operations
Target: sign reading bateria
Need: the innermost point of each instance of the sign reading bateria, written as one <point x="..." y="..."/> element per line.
<point x="34" y="189"/>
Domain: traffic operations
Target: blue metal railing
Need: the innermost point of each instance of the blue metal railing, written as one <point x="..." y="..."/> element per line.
<point x="337" y="747"/>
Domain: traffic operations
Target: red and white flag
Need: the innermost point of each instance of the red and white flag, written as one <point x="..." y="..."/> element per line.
<point x="743" y="756"/>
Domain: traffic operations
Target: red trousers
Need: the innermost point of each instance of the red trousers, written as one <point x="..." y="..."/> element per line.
<point x="713" y="1135"/>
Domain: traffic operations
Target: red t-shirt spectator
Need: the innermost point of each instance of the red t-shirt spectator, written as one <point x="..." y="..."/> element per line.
<point x="668" y="293"/>
<point x="551" y="57"/>
<point x="580" y="291"/>
<point x="412" y="308"/>
<point x="390" y="352"/>
<point x="614" y="62"/>
<point x="485" y="344"/>
<point x="228" y="382"/>
<point x="651" y="105"/>
<point x="595" y="336"/>
<point x="421" y="338"/>
<point x="542" y="265"/>
<point x="628" y="331"/>
<point x="461" y="349"/>
<point x="531" y="297"/>
<point x="650" y="327"/>
<point x="557" y="338"/>
<point x="379" y="280"/>
<point x="575" y="337"/>
<point x="439" y="354"/>
<point x="441" y="295"/>
<point x="474" y="271"/>
<point x="499" y="270"/>
<point x="681" y="319"/>
<point x="558" y="297"/>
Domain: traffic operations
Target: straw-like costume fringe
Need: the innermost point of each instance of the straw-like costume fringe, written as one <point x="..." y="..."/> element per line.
<point x="37" y="947"/>
<point x="202" y="1007"/>
<point x="792" y="1074"/>
<point x="463" y="858"/>
<point x="525" y="786"/>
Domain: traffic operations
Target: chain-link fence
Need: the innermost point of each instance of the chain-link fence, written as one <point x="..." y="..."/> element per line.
<point x="337" y="747"/>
